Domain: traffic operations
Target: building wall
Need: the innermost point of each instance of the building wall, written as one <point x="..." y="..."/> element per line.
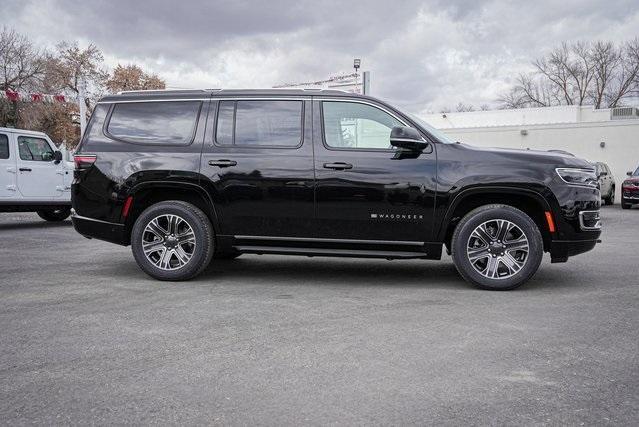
<point x="621" y="138"/>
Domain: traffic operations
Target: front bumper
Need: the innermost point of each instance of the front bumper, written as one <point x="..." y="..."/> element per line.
<point x="103" y="230"/>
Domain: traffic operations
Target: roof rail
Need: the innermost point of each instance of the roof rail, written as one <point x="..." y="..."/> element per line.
<point x="151" y="91"/>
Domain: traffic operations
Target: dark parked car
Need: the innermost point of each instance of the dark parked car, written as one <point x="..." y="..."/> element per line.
<point x="630" y="190"/>
<point x="607" y="183"/>
<point x="189" y="176"/>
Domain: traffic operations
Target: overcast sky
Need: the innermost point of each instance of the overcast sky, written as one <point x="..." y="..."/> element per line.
<point x="423" y="55"/>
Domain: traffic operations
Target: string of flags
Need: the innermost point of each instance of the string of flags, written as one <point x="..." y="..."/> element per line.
<point x="33" y="97"/>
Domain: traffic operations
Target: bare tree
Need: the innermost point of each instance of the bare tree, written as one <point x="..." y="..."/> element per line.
<point x="21" y="64"/>
<point x="461" y="107"/>
<point x="578" y="73"/>
<point x="72" y="66"/>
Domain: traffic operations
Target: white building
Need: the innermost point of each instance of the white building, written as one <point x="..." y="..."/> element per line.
<point x="606" y="135"/>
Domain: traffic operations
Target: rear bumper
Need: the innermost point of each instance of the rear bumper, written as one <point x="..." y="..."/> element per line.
<point x="103" y="230"/>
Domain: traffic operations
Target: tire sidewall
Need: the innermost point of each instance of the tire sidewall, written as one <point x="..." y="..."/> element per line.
<point x="201" y="230"/>
<point x="519" y="218"/>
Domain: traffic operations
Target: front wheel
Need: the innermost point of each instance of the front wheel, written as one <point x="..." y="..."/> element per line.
<point x="172" y="240"/>
<point x="497" y="247"/>
<point x="625" y="205"/>
<point x="55" y="215"/>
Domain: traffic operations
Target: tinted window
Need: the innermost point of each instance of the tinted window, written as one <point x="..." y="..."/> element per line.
<point x="358" y="126"/>
<point x="225" y="117"/>
<point x="4" y="146"/>
<point x="171" y="122"/>
<point x="36" y="149"/>
<point x="261" y="123"/>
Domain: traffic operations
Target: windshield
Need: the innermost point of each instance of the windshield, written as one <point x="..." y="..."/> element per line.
<point x="636" y="172"/>
<point x="441" y="136"/>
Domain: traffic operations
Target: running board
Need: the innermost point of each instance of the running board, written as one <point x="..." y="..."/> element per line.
<point x="354" y="253"/>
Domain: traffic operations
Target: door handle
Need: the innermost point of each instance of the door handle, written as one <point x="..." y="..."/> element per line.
<point x="25" y="169"/>
<point x="223" y="163"/>
<point x="338" y="166"/>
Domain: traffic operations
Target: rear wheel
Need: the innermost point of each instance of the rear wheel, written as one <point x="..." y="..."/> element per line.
<point x="172" y="240"/>
<point x="55" y="215"/>
<point x="497" y="247"/>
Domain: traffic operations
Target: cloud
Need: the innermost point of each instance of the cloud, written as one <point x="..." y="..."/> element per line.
<point x="423" y="55"/>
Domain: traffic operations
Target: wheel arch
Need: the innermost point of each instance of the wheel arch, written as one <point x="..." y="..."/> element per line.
<point x="531" y="202"/>
<point x="149" y="193"/>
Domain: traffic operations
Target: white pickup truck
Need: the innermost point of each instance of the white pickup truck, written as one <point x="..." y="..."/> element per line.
<point x="34" y="176"/>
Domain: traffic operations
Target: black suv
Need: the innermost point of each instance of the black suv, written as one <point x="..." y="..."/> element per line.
<point x="187" y="176"/>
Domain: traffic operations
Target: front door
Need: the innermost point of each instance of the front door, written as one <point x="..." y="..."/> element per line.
<point x="366" y="189"/>
<point x="7" y="167"/>
<point x="257" y="164"/>
<point x="38" y="176"/>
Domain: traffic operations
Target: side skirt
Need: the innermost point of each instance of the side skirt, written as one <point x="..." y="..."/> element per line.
<point x="331" y="247"/>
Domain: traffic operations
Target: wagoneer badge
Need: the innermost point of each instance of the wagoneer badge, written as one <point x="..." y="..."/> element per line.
<point x="395" y="216"/>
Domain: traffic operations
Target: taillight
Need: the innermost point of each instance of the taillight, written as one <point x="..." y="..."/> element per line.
<point x="84" y="161"/>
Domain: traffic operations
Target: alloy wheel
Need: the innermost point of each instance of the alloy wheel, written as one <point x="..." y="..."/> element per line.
<point x="497" y="249"/>
<point x="168" y="242"/>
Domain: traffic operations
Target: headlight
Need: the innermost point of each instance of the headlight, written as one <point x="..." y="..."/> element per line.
<point x="575" y="176"/>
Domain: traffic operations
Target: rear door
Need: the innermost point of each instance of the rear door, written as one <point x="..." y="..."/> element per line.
<point x="38" y="176"/>
<point x="366" y="189"/>
<point x="7" y="166"/>
<point x="257" y="164"/>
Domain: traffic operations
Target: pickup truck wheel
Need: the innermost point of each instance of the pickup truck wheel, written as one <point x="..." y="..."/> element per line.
<point x="497" y="247"/>
<point x="55" y="215"/>
<point x="172" y="240"/>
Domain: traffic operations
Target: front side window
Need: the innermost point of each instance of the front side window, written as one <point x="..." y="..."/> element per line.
<point x="34" y="149"/>
<point x="260" y="123"/>
<point x="4" y="146"/>
<point x="171" y="122"/>
<point x="357" y="126"/>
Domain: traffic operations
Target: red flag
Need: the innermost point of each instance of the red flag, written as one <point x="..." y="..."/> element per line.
<point x="36" y="97"/>
<point x="59" y="98"/>
<point x="12" y="96"/>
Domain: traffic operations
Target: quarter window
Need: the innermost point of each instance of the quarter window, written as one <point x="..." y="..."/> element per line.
<point x="4" y="146"/>
<point x="260" y="123"/>
<point x="357" y="126"/>
<point x="171" y="122"/>
<point x="34" y="149"/>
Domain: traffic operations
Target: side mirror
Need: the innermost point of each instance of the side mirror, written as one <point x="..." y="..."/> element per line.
<point x="629" y="173"/>
<point x="57" y="157"/>
<point x="409" y="138"/>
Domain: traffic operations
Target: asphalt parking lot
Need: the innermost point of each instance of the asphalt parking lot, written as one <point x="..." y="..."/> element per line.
<point x="86" y="337"/>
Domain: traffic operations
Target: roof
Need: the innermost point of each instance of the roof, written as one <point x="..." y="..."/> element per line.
<point x="208" y="93"/>
<point x="22" y="131"/>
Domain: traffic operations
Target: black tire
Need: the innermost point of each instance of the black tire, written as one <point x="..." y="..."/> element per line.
<point x="610" y="200"/>
<point x="625" y="205"/>
<point x="485" y="215"/>
<point x="55" y="215"/>
<point x="202" y="247"/>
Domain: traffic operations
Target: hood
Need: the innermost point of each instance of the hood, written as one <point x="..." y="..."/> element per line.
<point x="551" y="158"/>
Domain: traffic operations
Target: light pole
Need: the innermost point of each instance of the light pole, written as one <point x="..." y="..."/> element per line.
<point x="356" y="64"/>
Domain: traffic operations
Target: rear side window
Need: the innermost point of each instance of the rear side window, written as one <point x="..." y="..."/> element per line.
<point x="171" y="122"/>
<point x="260" y="123"/>
<point x="4" y="146"/>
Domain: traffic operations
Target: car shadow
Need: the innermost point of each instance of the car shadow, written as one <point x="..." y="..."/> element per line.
<point x="19" y="225"/>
